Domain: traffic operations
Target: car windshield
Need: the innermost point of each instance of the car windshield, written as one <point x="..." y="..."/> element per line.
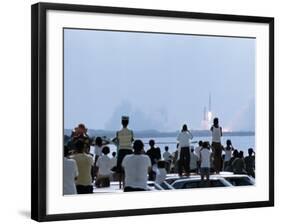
<point x="239" y="181"/>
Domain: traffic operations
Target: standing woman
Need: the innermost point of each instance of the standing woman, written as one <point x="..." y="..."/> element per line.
<point x="184" y="138"/>
<point x="216" y="145"/>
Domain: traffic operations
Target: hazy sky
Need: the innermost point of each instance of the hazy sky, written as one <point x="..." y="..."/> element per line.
<point x="160" y="80"/>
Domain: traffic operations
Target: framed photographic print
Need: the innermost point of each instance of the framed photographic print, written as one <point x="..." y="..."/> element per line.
<point x="141" y="111"/>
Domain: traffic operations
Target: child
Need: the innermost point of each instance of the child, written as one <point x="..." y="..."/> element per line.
<point x="104" y="169"/>
<point x="205" y="156"/>
<point x="168" y="158"/>
<point x="161" y="172"/>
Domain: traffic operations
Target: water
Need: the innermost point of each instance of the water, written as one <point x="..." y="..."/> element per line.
<point x="239" y="142"/>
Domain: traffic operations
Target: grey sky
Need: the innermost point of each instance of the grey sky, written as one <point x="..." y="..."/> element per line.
<point x="159" y="80"/>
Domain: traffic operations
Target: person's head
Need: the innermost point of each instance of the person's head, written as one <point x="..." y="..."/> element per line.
<point x="184" y="128"/>
<point x="98" y="141"/>
<point x="235" y="153"/>
<point x="200" y="143"/>
<point x="113" y="154"/>
<point x="166" y="148"/>
<point x="205" y="145"/>
<point x="241" y="154"/>
<point x="216" y="121"/>
<point x="151" y="143"/>
<point x="228" y="142"/>
<point x="250" y="151"/>
<point x="138" y="147"/>
<point x="105" y="150"/>
<point x="125" y="121"/>
<point x="79" y="145"/>
<point x="82" y="128"/>
<point x="66" y="151"/>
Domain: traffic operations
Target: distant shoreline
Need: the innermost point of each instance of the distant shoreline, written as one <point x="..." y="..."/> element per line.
<point x="158" y="134"/>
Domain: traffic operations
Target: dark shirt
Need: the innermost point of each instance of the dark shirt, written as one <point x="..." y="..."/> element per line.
<point x="250" y="163"/>
<point x="154" y="154"/>
<point x="238" y="166"/>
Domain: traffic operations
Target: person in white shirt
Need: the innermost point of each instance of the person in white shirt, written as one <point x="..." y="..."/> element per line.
<point x="161" y="172"/>
<point x="136" y="167"/>
<point x="167" y="156"/>
<point x="216" y="144"/>
<point x="193" y="162"/>
<point x="227" y="153"/>
<point x="198" y="148"/>
<point x="184" y="138"/>
<point x="70" y="173"/>
<point x="104" y="169"/>
<point x="205" y="157"/>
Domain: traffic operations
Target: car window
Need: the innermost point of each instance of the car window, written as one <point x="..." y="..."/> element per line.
<point x="216" y="183"/>
<point x="197" y="184"/>
<point x="239" y="181"/>
<point x="191" y="184"/>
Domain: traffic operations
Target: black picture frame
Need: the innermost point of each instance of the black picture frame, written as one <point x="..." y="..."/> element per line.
<point x="39" y="114"/>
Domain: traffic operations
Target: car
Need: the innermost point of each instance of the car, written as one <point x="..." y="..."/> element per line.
<point x="115" y="187"/>
<point x="195" y="182"/>
<point x="238" y="179"/>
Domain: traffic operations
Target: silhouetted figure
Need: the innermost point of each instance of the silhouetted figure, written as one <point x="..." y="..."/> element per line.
<point x="184" y="138"/>
<point x="136" y="167"/>
<point x="238" y="164"/>
<point x="154" y="154"/>
<point x="250" y="163"/>
<point x="216" y="144"/>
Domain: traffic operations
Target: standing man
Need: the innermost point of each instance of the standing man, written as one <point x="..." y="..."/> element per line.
<point x="136" y="167"/>
<point x="124" y="139"/>
<point x="216" y="144"/>
<point x="184" y="138"/>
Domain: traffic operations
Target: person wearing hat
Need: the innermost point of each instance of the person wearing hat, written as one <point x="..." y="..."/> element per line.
<point x="124" y="139"/>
